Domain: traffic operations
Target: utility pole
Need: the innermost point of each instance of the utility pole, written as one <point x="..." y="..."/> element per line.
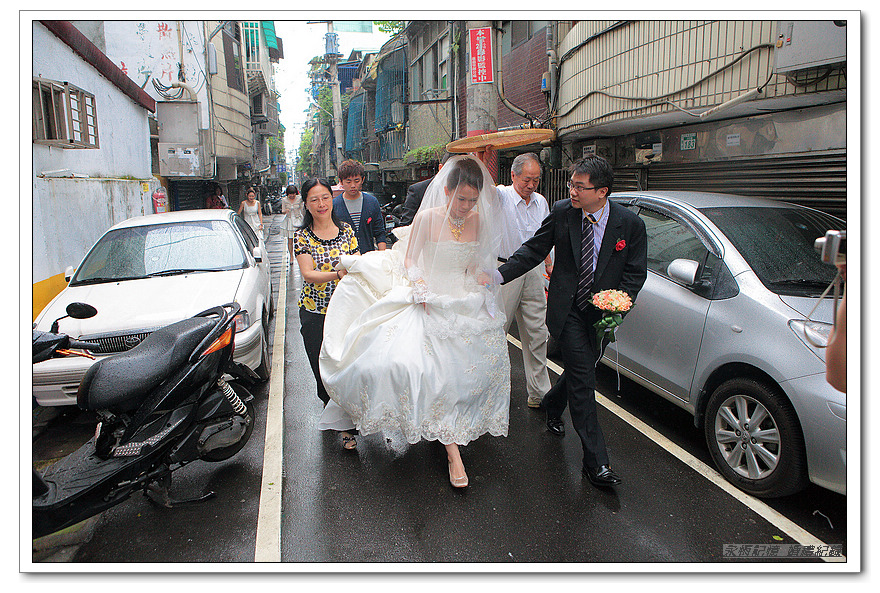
<point x="332" y="56"/>
<point x="482" y="100"/>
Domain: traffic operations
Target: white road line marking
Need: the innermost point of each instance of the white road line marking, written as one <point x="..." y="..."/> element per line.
<point x="784" y="524"/>
<point x="268" y="546"/>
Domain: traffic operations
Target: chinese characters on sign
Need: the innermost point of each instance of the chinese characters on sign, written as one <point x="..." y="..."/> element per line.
<point x="151" y="52"/>
<point x="782" y="551"/>
<point x="481" y="55"/>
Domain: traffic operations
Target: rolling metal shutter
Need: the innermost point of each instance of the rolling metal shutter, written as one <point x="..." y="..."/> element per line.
<point x="814" y="180"/>
<point x="189" y="195"/>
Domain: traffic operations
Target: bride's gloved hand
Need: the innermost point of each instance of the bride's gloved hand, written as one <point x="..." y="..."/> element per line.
<point x="490" y="278"/>
<point x="419" y="286"/>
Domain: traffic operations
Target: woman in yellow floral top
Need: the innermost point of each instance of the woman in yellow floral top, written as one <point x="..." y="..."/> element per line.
<point x="317" y="245"/>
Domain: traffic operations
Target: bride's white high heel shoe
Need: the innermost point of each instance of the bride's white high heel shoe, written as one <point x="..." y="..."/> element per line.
<point x="457" y="481"/>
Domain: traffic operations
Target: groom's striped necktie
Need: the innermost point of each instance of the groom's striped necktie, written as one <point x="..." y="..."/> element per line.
<point x="585" y="282"/>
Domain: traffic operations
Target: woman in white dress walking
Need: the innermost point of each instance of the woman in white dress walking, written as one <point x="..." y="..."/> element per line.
<point x="414" y="341"/>
<point x="293" y="209"/>
<point x="250" y="210"/>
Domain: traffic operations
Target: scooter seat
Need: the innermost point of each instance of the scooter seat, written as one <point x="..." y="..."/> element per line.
<point x="121" y="382"/>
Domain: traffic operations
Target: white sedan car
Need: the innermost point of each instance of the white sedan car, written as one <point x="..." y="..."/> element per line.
<point x="150" y="271"/>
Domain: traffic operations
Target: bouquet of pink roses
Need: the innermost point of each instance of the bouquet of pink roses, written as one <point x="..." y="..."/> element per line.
<point x="613" y="304"/>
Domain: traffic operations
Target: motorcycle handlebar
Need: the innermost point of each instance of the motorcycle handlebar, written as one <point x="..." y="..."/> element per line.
<point x="83" y="345"/>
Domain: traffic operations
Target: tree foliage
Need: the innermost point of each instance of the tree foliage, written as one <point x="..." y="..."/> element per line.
<point x="425" y="154"/>
<point x="393" y="27"/>
<point x="306" y="162"/>
<point x="325" y="102"/>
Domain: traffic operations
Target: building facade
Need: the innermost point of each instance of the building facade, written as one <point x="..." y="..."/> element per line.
<point x="747" y="107"/>
<point x="91" y="152"/>
<point x="218" y="108"/>
<point x="182" y="105"/>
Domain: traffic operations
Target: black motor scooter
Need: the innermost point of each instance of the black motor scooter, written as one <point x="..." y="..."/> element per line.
<point x="392" y="211"/>
<point x="160" y="405"/>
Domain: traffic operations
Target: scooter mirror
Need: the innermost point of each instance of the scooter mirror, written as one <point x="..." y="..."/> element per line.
<point x="81" y="311"/>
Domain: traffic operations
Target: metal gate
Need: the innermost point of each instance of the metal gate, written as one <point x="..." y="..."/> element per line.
<point x="189" y="195"/>
<point x="817" y="181"/>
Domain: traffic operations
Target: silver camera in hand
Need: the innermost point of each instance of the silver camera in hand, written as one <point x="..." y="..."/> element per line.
<point x="832" y="247"/>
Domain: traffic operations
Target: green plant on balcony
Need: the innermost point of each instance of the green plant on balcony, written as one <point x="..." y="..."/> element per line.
<point x="425" y="154"/>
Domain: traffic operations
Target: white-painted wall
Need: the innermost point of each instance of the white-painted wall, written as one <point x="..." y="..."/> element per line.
<point x="123" y="127"/>
<point x="147" y="50"/>
<point x="70" y="213"/>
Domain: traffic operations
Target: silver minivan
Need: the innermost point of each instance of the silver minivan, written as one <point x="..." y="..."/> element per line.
<point x="725" y="327"/>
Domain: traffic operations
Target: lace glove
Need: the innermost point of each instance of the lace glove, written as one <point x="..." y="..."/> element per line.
<point x="491" y="277"/>
<point x="419" y="286"/>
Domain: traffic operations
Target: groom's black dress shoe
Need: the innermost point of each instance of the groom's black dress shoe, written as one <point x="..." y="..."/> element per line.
<point x="556" y="426"/>
<point x="602" y="476"/>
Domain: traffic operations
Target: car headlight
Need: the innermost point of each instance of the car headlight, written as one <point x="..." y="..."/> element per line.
<point x="242" y="321"/>
<point x="814" y="334"/>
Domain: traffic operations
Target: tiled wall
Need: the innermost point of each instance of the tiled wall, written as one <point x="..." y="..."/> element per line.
<point x="648" y="60"/>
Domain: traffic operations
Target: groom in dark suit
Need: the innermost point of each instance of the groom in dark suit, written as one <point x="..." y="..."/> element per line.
<point x="599" y="245"/>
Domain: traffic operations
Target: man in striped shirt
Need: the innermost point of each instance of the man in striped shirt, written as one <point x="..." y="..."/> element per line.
<point x="359" y="209"/>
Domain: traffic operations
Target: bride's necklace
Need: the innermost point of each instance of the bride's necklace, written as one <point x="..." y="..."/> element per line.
<point x="456" y="225"/>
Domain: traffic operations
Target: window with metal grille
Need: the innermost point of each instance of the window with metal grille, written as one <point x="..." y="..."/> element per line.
<point x="64" y="115"/>
<point x="429" y="68"/>
<point x="355" y="130"/>
<point x="251" y="30"/>
<point x="234" y="62"/>
<point x="391" y="91"/>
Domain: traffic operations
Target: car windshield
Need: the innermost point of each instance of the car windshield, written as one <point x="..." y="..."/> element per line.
<point x="160" y="250"/>
<point x="778" y="244"/>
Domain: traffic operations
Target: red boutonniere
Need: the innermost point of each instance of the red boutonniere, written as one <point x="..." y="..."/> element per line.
<point x="620" y="245"/>
<point x="369" y="220"/>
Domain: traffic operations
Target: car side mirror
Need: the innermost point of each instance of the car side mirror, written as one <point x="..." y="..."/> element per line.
<point x="683" y="270"/>
<point x="68" y="273"/>
<point x="258" y="253"/>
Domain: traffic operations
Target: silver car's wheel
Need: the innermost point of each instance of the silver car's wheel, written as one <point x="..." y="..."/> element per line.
<point x="747" y="436"/>
<point x="755" y="438"/>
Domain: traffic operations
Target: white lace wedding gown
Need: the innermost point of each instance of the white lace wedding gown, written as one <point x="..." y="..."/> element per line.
<point x="438" y="371"/>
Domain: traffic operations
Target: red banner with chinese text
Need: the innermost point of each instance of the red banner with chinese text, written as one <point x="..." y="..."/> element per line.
<point x="481" y="55"/>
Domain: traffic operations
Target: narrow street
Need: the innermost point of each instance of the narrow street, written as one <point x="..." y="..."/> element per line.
<point x="388" y="502"/>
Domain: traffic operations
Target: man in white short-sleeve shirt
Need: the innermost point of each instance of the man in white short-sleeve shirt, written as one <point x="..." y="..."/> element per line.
<point x="524" y="298"/>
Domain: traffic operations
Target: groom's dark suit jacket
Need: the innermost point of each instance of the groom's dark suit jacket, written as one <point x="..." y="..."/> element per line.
<point x="622" y="266"/>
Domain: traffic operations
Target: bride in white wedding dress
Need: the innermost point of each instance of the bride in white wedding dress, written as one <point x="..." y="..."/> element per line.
<point x="413" y="340"/>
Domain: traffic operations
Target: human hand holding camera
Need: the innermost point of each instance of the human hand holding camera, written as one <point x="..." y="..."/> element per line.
<point x="832" y="248"/>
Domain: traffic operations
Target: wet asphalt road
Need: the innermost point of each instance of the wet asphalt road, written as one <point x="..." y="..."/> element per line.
<point x="391" y="503"/>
